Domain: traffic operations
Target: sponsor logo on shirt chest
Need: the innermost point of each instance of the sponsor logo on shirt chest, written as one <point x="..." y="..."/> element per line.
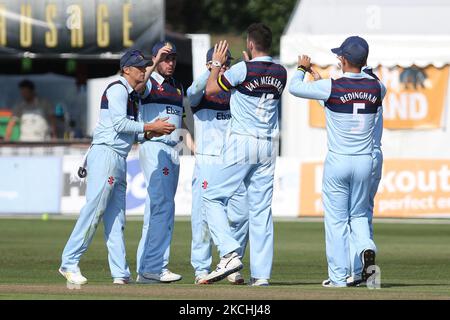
<point x="223" y="116"/>
<point x="171" y="110"/>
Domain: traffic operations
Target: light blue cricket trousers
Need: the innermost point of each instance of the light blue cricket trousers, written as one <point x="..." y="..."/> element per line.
<point x="252" y="161"/>
<point x="346" y="184"/>
<point x="160" y="165"/>
<point x="105" y="198"/>
<point x="237" y="212"/>
<point x="377" y="168"/>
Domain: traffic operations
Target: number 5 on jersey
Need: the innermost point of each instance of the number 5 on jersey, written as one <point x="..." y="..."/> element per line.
<point x="359" y="117"/>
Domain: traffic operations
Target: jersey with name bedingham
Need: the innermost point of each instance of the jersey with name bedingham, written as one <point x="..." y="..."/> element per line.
<point x="256" y="87"/>
<point x="350" y="115"/>
<point x="163" y="100"/>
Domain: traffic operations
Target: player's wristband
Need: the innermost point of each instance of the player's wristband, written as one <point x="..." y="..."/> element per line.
<point x="302" y="68"/>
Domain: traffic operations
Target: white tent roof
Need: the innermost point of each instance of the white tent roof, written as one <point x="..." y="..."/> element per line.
<point x="399" y="32"/>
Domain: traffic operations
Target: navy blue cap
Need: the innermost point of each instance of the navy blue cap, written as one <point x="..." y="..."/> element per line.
<point x="161" y="44"/>
<point x="210" y="52"/>
<point x="134" y="58"/>
<point x="355" y="49"/>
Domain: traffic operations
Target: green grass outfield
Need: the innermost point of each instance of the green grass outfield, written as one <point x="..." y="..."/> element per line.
<point x="414" y="261"/>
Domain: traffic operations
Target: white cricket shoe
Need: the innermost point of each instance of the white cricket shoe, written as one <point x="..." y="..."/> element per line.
<point x="166" y="276"/>
<point x="73" y="277"/>
<point x="199" y="278"/>
<point x="148" y="278"/>
<point x="330" y="284"/>
<point x="123" y="280"/>
<point x="258" y="282"/>
<point x="169" y="276"/>
<point x="236" y="278"/>
<point x="354" y="281"/>
<point x="229" y="264"/>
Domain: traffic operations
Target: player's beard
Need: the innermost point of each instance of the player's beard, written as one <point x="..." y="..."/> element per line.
<point x="165" y="72"/>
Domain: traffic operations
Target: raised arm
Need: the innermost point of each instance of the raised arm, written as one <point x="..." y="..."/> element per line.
<point x="368" y="70"/>
<point x="143" y="88"/>
<point x="219" y="57"/>
<point x="317" y="90"/>
<point x="197" y="89"/>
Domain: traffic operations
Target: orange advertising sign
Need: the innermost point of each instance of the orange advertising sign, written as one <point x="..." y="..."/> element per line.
<point x="408" y="188"/>
<point x="415" y="97"/>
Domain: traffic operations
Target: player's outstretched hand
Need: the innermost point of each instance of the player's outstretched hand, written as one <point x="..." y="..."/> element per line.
<point x="160" y="127"/>
<point x="220" y="52"/>
<point x="305" y="62"/>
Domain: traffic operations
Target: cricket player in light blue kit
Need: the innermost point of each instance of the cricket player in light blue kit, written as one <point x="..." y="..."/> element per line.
<point x="352" y="103"/>
<point x="113" y="138"/>
<point x="211" y="118"/>
<point x="163" y="97"/>
<point x="248" y="155"/>
<point x="375" y="179"/>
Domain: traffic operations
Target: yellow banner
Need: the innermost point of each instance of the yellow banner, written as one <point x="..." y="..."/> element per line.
<point x="408" y="188"/>
<point x="415" y="97"/>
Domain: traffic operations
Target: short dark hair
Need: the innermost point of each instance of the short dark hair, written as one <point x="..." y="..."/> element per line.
<point x="26" y="84"/>
<point x="261" y="35"/>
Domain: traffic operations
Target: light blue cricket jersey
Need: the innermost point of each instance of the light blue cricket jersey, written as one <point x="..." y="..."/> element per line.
<point x="378" y="130"/>
<point x="163" y="98"/>
<point x="256" y="87"/>
<point x="352" y="104"/>
<point x="117" y="126"/>
<point x="211" y="117"/>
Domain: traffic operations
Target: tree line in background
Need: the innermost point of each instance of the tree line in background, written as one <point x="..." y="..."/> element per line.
<point x="229" y="16"/>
